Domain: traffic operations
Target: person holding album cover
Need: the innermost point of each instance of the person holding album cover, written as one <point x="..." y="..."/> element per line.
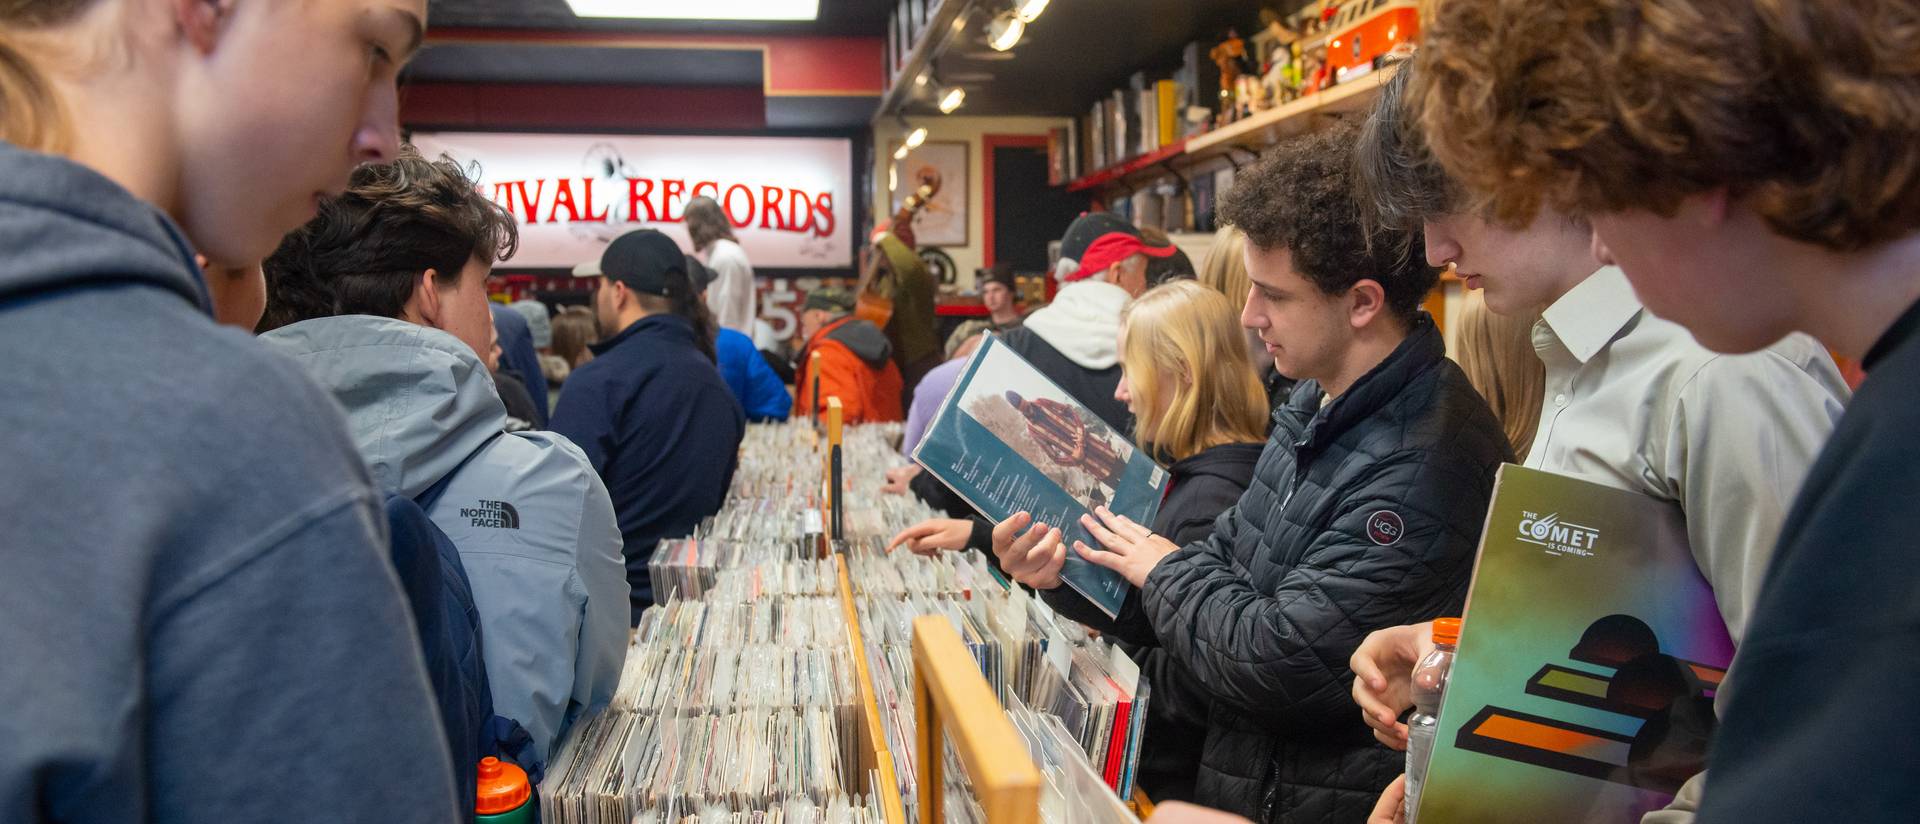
<point x="1364" y="509"/>
<point x="1103" y="265"/>
<point x="1632" y="400"/>
<point x="1769" y="189"/>
<point x="1198" y="407"/>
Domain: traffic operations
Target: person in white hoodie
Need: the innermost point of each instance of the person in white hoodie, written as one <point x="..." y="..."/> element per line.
<point x="1073" y="341"/>
<point x="383" y="299"/>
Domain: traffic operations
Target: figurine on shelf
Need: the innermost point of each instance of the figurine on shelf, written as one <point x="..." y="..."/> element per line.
<point x="1276" y="26"/>
<point x="1231" y="57"/>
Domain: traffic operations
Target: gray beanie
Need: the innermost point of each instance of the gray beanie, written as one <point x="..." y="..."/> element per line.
<point x="537" y="321"/>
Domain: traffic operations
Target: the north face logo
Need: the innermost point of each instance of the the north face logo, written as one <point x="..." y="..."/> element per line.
<point x="1385" y="527"/>
<point x="493" y="514"/>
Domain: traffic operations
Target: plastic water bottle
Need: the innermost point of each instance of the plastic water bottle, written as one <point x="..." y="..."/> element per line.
<point x="504" y="797"/>
<point x="1423" y="726"/>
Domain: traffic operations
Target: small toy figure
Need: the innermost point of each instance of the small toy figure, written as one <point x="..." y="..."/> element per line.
<point x="1231" y="57"/>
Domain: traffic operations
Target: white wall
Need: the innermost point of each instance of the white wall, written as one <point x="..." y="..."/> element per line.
<point x="888" y="135"/>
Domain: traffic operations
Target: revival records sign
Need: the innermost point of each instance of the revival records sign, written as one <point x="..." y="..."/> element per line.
<point x="789" y="198"/>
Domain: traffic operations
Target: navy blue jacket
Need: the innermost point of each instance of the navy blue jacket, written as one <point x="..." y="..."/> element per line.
<point x="760" y="392"/>
<point x="660" y="426"/>
<point x="1816" y="728"/>
<point x="518" y="356"/>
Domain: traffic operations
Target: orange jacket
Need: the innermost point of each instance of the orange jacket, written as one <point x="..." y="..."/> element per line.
<point x="856" y="365"/>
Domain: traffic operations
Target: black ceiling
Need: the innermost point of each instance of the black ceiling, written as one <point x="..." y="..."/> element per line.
<point x="1081" y="49"/>
<point x="1077" y="51"/>
<point x="528" y="63"/>
<point x="837" y="17"/>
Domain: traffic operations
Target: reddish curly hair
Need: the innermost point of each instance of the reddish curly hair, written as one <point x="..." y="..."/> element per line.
<point x="1809" y="112"/>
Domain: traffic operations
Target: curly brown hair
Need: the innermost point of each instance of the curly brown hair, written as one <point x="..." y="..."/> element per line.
<point x="363" y="252"/>
<point x="1300" y="196"/>
<point x="1809" y="112"/>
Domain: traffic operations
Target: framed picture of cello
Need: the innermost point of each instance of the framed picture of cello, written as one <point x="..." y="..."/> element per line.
<point x="944" y="221"/>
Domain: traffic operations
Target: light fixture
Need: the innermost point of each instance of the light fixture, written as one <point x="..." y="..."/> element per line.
<point x="1004" y="31"/>
<point x="704" y="10"/>
<point x="901" y="153"/>
<point x="916" y="137"/>
<point x="952" y="100"/>
<point x="1029" y="10"/>
<point x="893" y="177"/>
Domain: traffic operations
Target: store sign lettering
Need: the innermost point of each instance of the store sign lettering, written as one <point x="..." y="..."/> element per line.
<point x="789" y="199"/>
<point x="650" y="200"/>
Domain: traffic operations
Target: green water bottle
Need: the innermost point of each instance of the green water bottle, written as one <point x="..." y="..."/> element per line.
<point x="504" y="797"/>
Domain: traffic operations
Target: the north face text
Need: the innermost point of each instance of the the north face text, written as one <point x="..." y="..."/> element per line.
<point x="493" y="514"/>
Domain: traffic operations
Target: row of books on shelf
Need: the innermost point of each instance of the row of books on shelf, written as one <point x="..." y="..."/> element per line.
<point x="1143" y="117"/>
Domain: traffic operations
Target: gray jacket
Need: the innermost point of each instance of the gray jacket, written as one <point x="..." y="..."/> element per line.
<point x="201" y="620"/>
<point x="532" y="520"/>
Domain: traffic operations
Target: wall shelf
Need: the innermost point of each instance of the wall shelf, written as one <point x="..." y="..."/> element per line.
<point x="1130" y="168"/>
<point x="1250" y="135"/>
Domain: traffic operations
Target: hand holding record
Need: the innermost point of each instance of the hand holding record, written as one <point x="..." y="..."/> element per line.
<point x="1131" y="549"/>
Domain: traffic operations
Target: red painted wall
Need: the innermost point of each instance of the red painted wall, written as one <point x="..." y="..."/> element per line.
<point x="533" y="106"/>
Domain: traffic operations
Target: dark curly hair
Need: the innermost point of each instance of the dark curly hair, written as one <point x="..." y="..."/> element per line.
<point x="362" y="254"/>
<point x="1300" y="196"/>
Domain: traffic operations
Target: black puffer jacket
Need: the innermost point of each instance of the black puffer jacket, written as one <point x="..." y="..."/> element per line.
<point x="1361" y="515"/>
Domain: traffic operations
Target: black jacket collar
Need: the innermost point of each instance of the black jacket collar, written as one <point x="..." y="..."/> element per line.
<point x="1310" y="427"/>
<point x="1226" y="460"/>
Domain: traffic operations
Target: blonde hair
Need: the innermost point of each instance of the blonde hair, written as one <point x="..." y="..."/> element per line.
<point x="1496" y="352"/>
<point x="30" y="111"/>
<point x="1225" y="269"/>
<point x="1188" y="371"/>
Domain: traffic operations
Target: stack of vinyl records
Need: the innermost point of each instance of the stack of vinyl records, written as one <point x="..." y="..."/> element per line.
<point x="739" y="701"/>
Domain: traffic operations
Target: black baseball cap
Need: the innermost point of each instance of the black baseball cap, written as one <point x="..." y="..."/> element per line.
<point x="1092" y="226"/>
<point x="698" y="272"/>
<point x="644" y="260"/>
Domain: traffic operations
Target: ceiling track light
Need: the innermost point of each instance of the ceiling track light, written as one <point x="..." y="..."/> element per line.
<point x="952" y="99"/>
<point x="1004" y="31"/>
<point x="1029" y="10"/>
<point x="916" y="137"/>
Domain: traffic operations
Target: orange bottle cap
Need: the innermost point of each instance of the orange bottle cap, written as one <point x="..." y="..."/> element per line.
<point x="503" y="787"/>
<point x="1446" y="631"/>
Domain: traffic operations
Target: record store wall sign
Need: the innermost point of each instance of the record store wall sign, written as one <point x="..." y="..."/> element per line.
<point x="789" y="198"/>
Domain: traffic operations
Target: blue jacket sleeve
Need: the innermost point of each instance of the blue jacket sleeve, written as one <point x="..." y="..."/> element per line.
<point x="767" y="398"/>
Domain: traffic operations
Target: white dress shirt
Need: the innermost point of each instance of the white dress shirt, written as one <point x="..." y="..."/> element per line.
<point x="1632" y="401"/>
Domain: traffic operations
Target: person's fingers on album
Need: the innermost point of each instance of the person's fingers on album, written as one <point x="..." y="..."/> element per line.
<point x="1007" y="537"/>
<point x="1037" y="558"/>
<point x="1107" y="538"/>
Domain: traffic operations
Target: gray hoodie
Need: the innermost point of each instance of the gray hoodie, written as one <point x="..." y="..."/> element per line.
<point x="531" y="518"/>
<point x="201" y="620"/>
